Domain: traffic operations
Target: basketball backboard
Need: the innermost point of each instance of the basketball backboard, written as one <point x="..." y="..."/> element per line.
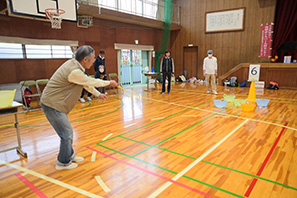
<point x="36" y="8"/>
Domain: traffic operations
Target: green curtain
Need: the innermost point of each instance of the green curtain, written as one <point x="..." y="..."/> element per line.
<point x="166" y="34"/>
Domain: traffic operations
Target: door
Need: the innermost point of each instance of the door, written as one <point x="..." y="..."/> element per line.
<point x="191" y="61"/>
<point x="131" y="67"/>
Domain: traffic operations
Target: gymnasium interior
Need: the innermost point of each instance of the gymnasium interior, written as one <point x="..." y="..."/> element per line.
<point x="141" y="142"/>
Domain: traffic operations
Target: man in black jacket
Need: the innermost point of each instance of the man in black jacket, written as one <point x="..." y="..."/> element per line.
<point x="100" y="60"/>
<point x="167" y="70"/>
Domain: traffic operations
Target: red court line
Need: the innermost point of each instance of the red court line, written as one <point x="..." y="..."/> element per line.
<point x="152" y="173"/>
<point x="30" y="185"/>
<point x="250" y="189"/>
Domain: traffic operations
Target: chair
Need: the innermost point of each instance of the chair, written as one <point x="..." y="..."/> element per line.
<point x="40" y="84"/>
<point x="113" y="76"/>
<point x="31" y="84"/>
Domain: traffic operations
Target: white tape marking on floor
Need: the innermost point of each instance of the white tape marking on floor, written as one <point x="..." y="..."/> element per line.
<point x="129" y="125"/>
<point x="49" y="179"/>
<point x="107" y="137"/>
<point x="93" y="158"/>
<point x="102" y="184"/>
<point x="167" y="184"/>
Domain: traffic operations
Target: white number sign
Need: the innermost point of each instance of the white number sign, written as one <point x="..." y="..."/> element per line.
<point x="254" y="72"/>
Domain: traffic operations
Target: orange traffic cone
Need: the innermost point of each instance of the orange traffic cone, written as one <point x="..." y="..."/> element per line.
<point x="252" y="92"/>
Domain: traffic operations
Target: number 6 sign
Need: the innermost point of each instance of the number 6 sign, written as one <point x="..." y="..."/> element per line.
<point x="254" y="72"/>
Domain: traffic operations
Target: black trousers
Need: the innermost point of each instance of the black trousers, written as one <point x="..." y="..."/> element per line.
<point x="84" y="92"/>
<point x="168" y="75"/>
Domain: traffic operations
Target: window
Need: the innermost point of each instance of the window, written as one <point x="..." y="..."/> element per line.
<point x="109" y="4"/>
<point x="20" y="51"/>
<point x="125" y="58"/>
<point x="59" y="51"/>
<point x="146" y="8"/>
<point x="38" y="51"/>
<point x="150" y="8"/>
<point x="11" y="51"/>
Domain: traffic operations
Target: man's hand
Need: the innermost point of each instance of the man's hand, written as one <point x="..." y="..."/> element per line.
<point x="161" y="74"/>
<point x="172" y="74"/>
<point x="102" y="96"/>
<point x="113" y="83"/>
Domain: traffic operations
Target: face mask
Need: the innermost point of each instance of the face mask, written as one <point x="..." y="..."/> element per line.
<point x="209" y="55"/>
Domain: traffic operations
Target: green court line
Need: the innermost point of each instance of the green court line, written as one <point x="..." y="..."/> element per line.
<point x="156" y="121"/>
<point x="30" y="113"/>
<point x="224" y="167"/>
<point x="73" y="120"/>
<point x="164" y="149"/>
<point x="183" y="131"/>
<point x="82" y="107"/>
<point x="255" y="176"/>
<point x="165" y="169"/>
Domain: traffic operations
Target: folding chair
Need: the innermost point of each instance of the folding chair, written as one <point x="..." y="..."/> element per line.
<point x="40" y="85"/>
<point x="31" y="84"/>
<point x="113" y="76"/>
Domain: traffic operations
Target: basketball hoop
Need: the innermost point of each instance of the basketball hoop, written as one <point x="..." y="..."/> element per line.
<point x="55" y="17"/>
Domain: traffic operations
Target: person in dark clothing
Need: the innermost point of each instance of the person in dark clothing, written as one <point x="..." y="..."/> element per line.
<point x="100" y="60"/>
<point x="167" y="70"/>
<point x="101" y="74"/>
<point x="81" y="99"/>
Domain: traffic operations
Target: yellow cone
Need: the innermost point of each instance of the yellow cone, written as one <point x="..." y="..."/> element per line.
<point x="252" y="93"/>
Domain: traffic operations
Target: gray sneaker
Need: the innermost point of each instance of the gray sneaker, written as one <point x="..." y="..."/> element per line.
<point x="70" y="166"/>
<point x="78" y="159"/>
<point x="208" y="92"/>
<point x="88" y="98"/>
<point x="82" y="100"/>
<point x="214" y="92"/>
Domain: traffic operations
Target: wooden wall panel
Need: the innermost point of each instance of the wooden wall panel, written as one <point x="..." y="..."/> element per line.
<point x="231" y="48"/>
<point x="101" y="36"/>
<point x="283" y="74"/>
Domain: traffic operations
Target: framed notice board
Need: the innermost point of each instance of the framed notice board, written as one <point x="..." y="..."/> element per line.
<point x="225" y="20"/>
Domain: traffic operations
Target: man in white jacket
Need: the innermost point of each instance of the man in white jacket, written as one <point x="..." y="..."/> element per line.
<point x="60" y="96"/>
<point x="210" y="67"/>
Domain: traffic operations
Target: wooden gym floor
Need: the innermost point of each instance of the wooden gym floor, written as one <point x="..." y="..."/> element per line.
<point x="170" y="146"/>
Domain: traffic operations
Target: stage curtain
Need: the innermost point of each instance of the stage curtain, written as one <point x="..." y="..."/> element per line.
<point x="285" y="24"/>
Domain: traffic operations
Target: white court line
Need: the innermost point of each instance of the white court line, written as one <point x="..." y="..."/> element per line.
<point x="157" y="118"/>
<point x="102" y="184"/>
<point x="23" y="174"/>
<point x="93" y="158"/>
<point x="218" y="113"/>
<point x="241" y="95"/>
<point x="49" y="179"/>
<point x="129" y="125"/>
<point x="167" y="184"/>
<point x="107" y="137"/>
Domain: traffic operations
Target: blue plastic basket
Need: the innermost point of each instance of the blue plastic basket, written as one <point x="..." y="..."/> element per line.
<point x="220" y="103"/>
<point x="262" y="102"/>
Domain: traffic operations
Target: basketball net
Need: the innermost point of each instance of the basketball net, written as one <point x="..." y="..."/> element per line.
<point x="55" y="17"/>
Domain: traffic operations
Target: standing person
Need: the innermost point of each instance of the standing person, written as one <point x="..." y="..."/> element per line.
<point x="82" y="100"/>
<point x="101" y="74"/>
<point x="210" y="67"/>
<point x="167" y="70"/>
<point x="100" y="60"/>
<point x="61" y="94"/>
